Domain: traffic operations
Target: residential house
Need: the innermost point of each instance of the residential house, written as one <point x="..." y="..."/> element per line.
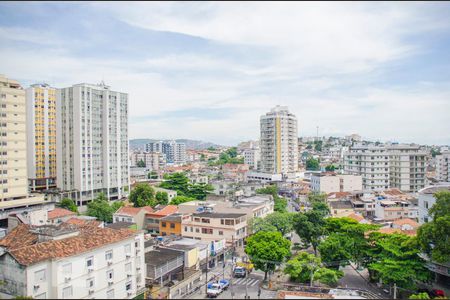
<point x="427" y="200"/>
<point x="59" y="215"/>
<point x="171" y="224"/>
<point x="152" y="219"/>
<point x="131" y="214"/>
<point x="72" y="262"/>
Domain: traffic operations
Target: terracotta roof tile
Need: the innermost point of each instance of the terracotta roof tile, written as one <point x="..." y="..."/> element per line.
<point x="83" y="223"/>
<point x="406" y="221"/>
<point x="132" y="211"/>
<point x="167" y="210"/>
<point x="339" y="195"/>
<point x="87" y="240"/>
<point x="59" y="213"/>
<point x="19" y="237"/>
<point x="356" y="217"/>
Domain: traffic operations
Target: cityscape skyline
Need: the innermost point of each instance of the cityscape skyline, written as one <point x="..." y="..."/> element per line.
<point x="352" y="75"/>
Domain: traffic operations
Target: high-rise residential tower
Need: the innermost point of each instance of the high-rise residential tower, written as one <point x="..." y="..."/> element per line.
<point x="387" y="166"/>
<point x="13" y="140"/>
<point x="92" y="142"/>
<point x="443" y="166"/>
<point x="175" y="152"/>
<point x="41" y="136"/>
<point x="279" y="141"/>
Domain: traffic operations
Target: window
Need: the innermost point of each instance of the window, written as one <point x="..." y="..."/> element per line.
<point x="110" y="294"/>
<point x="67" y="292"/>
<point x="39" y="276"/>
<point x="128" y="286"/>
<point x="110" y="275"/>
<point x="109" y="255"/>
<point x="185" y="229"/>
<point x="90" y="283"/>
<point x="172" y="225"/>
<point x="207" y="230"/>
<point x="90" y="262"/>
<point x="220" y="232"/>
<point x="67" y="268"/>
<point x="128" y="267"/>
<point x="163" y="224"/>
<point x="127" y="248"/>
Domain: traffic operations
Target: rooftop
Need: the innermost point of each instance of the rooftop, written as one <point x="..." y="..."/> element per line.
<point x="160" y="256"/>
<point x="340" y="204"/>
<point x="59" y="213"/>
<point x="434" y="189"/>
<point x="219" y="215"/>
<point x="132" y="211"/>
<point x="120" y="225"/>
<point x="164" y="211"/>
<point x="173" y="218"/>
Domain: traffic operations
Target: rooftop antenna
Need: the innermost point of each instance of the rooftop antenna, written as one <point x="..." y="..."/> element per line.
<point x="317" y="133"/>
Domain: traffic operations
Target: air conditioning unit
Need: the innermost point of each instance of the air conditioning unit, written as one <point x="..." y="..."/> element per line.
<point x="36" y="286"/>
<point x="90" y="269"/>
<point x="128" y="256"/>
<point x="67" y="279"/>
<point x="91" y="292"/>
<point x="138" y="268"/>
<point x="129" y="293"/>
<point x="129" y="275"/>
<point x="138" y="250"/>
<point x="138" y="286"/>
<point x="110" y="262"/>
<point x="110" y="282"/>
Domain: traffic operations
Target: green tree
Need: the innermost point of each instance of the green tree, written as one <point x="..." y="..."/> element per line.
<point x="100" y="209"/>
<point x="318" y="146"/>
<point x="141" y="164"/>
<point x="199" y="191"/>
<point x="162" y="197"/>
<point x="260" y="224"/>
<point x="335" y="250"/>
<point x="176" y="181"/>
<point x="419" y="296"/>
<point x="330" y="168"/>
<point x="435" y="152"/>
<point x="306" y="267"/>
<point x="312" y="164"/>
<point x="68" y="204"/>
<point x="283" y="222"/>
<point x="310" y="227"/>
<point x="152" y="175"/>
<point x="142" y="195"/>
<point x="232" y="152"/>
<point x="211" y="148"/>
<point x="181" y="199"/>
<point x="434" y="236"/>
<point x="280" y="204"/>
<point x="202" y="157"/>
<point x="116" y="205"/>
<point x="267" y="249"/>
<point x="395" y="259"/>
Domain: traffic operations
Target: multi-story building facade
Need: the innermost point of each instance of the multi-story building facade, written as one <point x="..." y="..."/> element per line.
<point x="387" y="166"/>
<point x="41" y="136"/>
<point x="279" y="142"/>
<point x="426" y="200"/>
<point x="13" y="140"/>
<point x="154" y="161"/>
<point x="92" y="142"/>
<point x="175" y="152"/>
<point x="388" y="210"/>
<point x="211" y="226"/>
<point x="252" y="157"/>
<point x="443" y="167"/>
<point x="72" y="262"/>
<point x="333" y="183"/>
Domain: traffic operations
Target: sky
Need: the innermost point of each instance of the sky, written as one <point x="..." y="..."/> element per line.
<point x="209" y="70"/>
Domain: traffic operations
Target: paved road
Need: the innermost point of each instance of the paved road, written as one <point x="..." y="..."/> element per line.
<point x="358" y="280"/>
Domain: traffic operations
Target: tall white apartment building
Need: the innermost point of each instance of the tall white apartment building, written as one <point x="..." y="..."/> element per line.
<point x="252" y="157"/>
<point x="443" y="166"/>
<point x="41" y="136"/>
<point x="333" y="183"/>
<point x="69" y="262"/>
<point x="92" y="142"/>
<point x="279" y="141"/>
<point x="175" y="152"/>
<point x="154" y="161"/>
<point x="13" y="140"/>
<point x="387" y="166"/>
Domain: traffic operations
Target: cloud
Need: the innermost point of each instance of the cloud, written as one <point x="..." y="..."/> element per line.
<point x="209" y="70"/>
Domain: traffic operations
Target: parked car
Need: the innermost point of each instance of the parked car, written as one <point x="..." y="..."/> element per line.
<point x="433" y="292"/>
<point x="239" y="272"/>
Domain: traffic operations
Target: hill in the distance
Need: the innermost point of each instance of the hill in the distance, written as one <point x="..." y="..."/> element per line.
<point x="190" y="144"/>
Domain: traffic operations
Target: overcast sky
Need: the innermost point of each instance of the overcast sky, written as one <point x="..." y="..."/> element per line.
<point x="209" y="70"/>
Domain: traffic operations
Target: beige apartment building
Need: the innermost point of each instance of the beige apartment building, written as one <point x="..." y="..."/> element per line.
<point x="13" y="140"/>
<point x="41" y="135"/>
<point x="210" y="226"/>
<point x="333" y="183"/>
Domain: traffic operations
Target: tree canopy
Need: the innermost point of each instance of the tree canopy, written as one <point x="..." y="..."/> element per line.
<point x="312" y="164"/>
<point x="180" y="183"/>
<point x="434" y="236"/>
<point x="101" y="209"/>
<point x="330" y="168"/>
<point x="141" y="164"/>
<point x="280" y="203"/>
<point x="142" y="195"/>
<point x="68" y="204"/>
<point x="267" y="249"/>
<point x="181" y="199"/>
<point x="280" y="222"/>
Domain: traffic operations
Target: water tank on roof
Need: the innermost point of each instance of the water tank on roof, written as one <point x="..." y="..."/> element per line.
<point x="200" y="209"/>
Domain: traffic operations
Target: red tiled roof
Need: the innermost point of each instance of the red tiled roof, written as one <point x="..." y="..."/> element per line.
<point x="397" y="230"/>
<point x="356" y="217"/>
<point x="167" y="210"/>
<point x="339" y="195"/>
<point x="83" y="223"/>
<point x="87" y="240"/>
<point x="393" y="192"/>
<point x="59" y="213"/>
<point x="132" y="211"/>
<point x="408" y="221"/>
<point x="19" y="237"/>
